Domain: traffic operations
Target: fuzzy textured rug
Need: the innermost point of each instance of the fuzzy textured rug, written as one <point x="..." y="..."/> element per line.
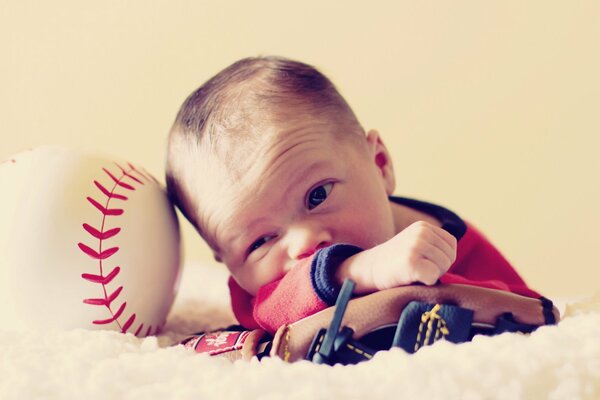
<point x="558" y="362"/>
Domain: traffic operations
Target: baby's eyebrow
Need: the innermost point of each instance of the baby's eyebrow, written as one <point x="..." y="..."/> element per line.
<point x="307" y="172"/>
<point x="236" y="236"/>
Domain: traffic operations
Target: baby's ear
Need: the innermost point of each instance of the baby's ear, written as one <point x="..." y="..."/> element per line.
<point x="382" y="160"/>
<point x="217" y="258"/>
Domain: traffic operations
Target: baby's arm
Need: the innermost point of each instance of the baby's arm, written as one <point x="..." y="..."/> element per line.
<point x="420" y="253"/>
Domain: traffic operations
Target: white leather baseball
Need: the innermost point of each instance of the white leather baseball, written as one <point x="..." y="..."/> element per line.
<point x="85" y="242"/>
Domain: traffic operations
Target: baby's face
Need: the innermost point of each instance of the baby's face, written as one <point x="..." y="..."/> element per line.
<point x="307" y="189"/>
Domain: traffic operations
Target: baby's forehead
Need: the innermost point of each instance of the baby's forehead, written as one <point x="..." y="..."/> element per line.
<point x="233" y="212"/>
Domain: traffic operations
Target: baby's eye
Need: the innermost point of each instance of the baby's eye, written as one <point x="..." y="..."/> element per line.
<point x="258" y="243"/>
<point x="318" y="195"/>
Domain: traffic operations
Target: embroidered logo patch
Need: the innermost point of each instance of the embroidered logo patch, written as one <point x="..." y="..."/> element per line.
<point x="217" y="342"/>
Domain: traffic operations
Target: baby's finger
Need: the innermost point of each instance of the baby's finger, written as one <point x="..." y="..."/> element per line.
<point x="441" y="239"/>
<point x="444" y="241"/>
<point x="441" y="259"/>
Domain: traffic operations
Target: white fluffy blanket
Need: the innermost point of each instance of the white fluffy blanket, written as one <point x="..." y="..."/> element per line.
<point x="559" y="362"/>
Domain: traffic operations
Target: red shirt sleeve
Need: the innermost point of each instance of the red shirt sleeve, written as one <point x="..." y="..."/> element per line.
<point x="284" y="301"/>
<point x="242" y="304"/>
<point x="479" y="263"/>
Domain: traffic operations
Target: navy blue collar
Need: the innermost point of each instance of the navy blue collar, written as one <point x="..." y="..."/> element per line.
<point x="450" y="221"/>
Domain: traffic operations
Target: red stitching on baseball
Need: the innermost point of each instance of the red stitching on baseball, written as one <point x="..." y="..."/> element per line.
<point x="129" y="175"/>
<point x="104" y="210"/>
<point x="118" y="181"/>
<point x="143" y="173"/>
<point x="107" y="301"/>
<point x="103" y="255"/>
<point x="113" y="318"/>
<point x="148" y="174"/>
<point x="132" y="168"/>
<point x="109" y="194"/>
<point x="104" y="280"/>
<point x="128" y="323"/>
<point x="101" y="235"/>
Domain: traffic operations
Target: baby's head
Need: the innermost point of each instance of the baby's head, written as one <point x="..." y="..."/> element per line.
<point x="269" y="163"/>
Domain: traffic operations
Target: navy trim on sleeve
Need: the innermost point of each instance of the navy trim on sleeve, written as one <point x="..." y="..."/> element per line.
<point x="450" y="221"/>
<point x="323" y="268"/>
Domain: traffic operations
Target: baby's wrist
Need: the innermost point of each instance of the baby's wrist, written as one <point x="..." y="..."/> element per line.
<point x="324" y="269"/>
<point x="359" y="268"/>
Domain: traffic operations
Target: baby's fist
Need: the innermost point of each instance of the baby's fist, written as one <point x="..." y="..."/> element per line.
<point x="420" y="253"/>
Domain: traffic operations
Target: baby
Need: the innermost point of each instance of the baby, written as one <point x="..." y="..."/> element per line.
<point x="273" y="169"/>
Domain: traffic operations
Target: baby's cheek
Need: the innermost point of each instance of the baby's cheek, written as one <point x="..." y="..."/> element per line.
<point x="270" y="268"/>
<point x="370" y="230"/>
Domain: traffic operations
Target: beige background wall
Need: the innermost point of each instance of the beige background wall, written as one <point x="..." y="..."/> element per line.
<point x="489" y="108"/>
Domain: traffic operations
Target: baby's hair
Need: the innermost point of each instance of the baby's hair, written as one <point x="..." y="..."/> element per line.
<point x="238" y="103"/>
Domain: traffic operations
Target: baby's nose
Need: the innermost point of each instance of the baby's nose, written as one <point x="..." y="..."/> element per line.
<point x="304" y="241"/>
<point x="309" y="250"/>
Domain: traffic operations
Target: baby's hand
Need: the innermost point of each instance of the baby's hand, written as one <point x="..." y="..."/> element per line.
<point x="420" y="253"/>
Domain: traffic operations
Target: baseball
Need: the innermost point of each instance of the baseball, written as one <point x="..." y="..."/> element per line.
<point x="85" y="242"/>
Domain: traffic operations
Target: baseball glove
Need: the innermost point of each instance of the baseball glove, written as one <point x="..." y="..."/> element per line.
<point x="409" y="317"/>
